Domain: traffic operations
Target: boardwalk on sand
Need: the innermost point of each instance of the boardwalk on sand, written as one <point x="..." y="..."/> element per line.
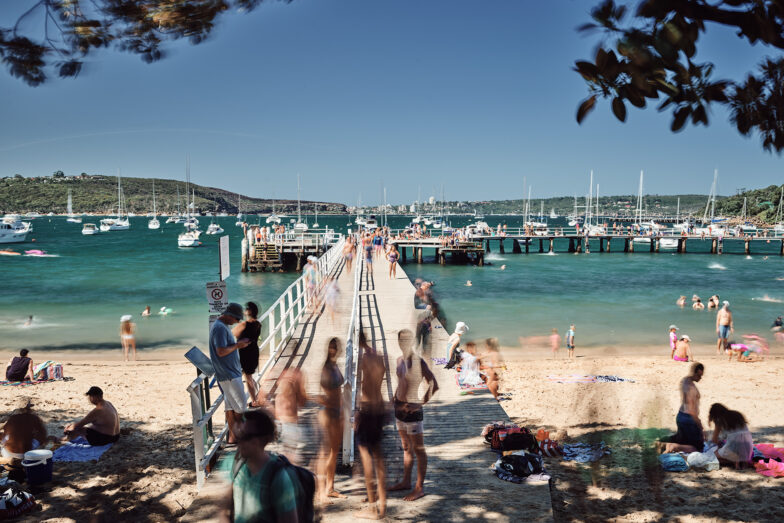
<point x="459" y="484"/>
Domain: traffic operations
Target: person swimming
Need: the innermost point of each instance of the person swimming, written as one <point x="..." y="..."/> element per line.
<point x="468" y="283"/>
<point x="698" y="305"/>
<point x="681" y="301"/>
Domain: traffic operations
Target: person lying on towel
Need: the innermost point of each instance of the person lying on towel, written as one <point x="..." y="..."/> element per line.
<point x="101" y="426"/>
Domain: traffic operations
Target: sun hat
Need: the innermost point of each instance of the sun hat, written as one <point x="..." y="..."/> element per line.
<point x="234" y="310"/>
<point x="672" y="327"/>
<point x="726" y="303"/>
<point x="461" y="327"/>
<point x="126" y="317"/>
<point x="686" y="337"/>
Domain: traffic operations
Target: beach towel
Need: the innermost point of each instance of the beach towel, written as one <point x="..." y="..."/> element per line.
<point x="673" y="462"/>
<point x="770" y="468"/>
<point x="770" y="451"/>
<point x="577" y="378"/>
<point x="5" y="383"/>
<point x="467" y="388"/>
<point x="584" y="452"/>
<point x="80" y="450"/>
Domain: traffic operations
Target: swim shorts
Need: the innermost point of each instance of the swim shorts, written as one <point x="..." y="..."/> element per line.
<point x="233" y="394"/>
<point x="99" y="439"/>
<point x="370" y="428"/>
<point x="689" y="432"/>
<point x="724" y="332"/>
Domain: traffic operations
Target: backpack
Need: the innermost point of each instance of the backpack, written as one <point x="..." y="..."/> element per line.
<point x="519" y="440"/>
<point x="521" y="465"/>
<point x="304" y="482"/>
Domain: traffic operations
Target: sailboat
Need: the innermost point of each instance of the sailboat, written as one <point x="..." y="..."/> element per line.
<point x="190" y="221"/>
<point x="239" y="212"/>
<point x="315" y="220"/>
<point x="154" y="223"/>
<point x="120" y="223"/>
<point x="189" y="238"/>
<point x="71" y="218"/>
<point x="712" y="229"/>
<point x="300" y="225"/>
<point x="214" y="228"/>
<point x="553" y="216"/>
<point x="273" y="218"/>
<point x="746" y="227"/>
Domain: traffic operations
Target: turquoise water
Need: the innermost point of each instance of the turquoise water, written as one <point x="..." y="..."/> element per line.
<point x="78" y="296"/>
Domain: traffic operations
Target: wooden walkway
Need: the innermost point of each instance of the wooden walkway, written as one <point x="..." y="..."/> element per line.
<point x="459" y="484"/>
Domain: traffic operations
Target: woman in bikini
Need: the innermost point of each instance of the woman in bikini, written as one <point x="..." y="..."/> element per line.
<point x="331" y="421"/>
<point x="392" y="255"/>
<point x="127" y="336"/>
<point x="682" y="350"/>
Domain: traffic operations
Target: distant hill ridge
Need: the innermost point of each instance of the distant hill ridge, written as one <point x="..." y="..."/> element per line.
<point x="98" y="194"/>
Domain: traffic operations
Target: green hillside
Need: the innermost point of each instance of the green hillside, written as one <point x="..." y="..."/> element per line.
<point x="761" y="204"/>
<point x="98" y="194"/>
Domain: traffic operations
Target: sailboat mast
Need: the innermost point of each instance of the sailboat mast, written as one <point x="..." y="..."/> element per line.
<point x="589" y="201"/>
<point x="597" y="204"/>
<point x="715" y="188"/>
<point x="299" y="214"/>
<point x="154" y="210"/>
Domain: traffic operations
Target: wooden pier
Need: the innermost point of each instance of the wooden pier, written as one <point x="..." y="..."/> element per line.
<point x="277" y="253"/>
<point x="459" y="484"/>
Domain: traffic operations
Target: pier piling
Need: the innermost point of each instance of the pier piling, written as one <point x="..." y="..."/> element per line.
<point x="501" y="246"/>
<point x="516" y="247"/>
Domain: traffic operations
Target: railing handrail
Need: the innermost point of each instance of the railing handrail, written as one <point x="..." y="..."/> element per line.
<point x="352" y="360"/>
<point x="291" y="304"/>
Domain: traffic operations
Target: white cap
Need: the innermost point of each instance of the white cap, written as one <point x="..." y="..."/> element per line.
<point x="126" y="317"/>
<point x="672" y="327"/>
<point x="686" y="337"/>
<point x="726" y="303"/>
<point x="461" y="327"/>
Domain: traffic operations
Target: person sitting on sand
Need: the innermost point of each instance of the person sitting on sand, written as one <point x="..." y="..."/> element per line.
<point x="453" y="344"/>
<point x="681" y="301"/>
<point x="689" y="437"/>
<point x="20" y="368"/>
<point x="101" y="426"/>
<point x="682" y="351"/>
<point x="492" y="363"/>
<point x="469" y="367"/>
<point x="698" y="305"/>
<point x="730" y="426"/>
<point x="23" y="431"/>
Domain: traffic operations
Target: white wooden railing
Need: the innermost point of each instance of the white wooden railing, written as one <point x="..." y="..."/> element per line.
<point x="352" y="360"/>
<point x="277" y="325"/>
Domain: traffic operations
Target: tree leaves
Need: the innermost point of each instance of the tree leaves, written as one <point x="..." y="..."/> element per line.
<point x="585" y="108"/>
<point x="680" y="118"/>
<point x="619" y="108"/>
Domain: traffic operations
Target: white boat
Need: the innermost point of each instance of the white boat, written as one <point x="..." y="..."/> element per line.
<point x="240" y="220"/>
<point x="417" y="219"/>
<point x="435" y="224"/>
<point x="315" y="220"/>
<point x="595" y="230"/>
<point x="477" y="228"/>
<point x="32" y="215"/>
<point x="154" y="223"/>
<point x="120" y="223"/>
<point x="370" y="223"/>
<point x="214" y="228"/>
<point x="553" y="216"/>
<point x="668" y="244"/>
<point x="300" y="225"/>
<point x="427" y="220"/>
<point x="273" y="218"/>
<point x="189" y="238"/>
<point x="89" y="229"/>
<point x="71" y="217"/>
<point x="13" y="229"/>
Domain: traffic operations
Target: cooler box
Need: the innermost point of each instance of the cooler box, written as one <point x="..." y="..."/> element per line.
<point x="38" y="466"/>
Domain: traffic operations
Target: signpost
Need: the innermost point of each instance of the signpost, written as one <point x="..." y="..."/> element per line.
<point x="223" y="248"/>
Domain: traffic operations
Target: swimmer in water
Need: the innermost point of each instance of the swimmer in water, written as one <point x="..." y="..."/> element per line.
<point x="468" y="283"/>
<point x="713" y="302"/>
<point x="503" y="267"/>
<point x="146" y="312"/>
<point x="698" y="305"/>
<point x="29" y="322"/>
<point x="681" y="301"/>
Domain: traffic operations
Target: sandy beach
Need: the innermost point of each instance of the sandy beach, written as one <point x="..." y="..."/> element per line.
<point x="149" y="474"/>
<point x="630" y="485"/>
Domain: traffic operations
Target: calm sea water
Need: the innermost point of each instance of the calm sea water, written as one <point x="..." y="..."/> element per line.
<point x="78" y="296"/>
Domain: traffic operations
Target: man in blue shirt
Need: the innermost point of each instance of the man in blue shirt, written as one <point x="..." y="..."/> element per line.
<point x="226" y="361"/>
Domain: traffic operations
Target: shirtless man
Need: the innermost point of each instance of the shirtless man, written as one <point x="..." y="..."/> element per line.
<point x="682" y="351"/>
<point x="23" y="431"/>
<point x="370" y="430"/>
<point x="724" y="326"/>
<point x="409" y="415"/>
<point x="689" y="437"/>
<point x="101" y="426"/>
<point x="698" y="305"/>
<point x="681" y="301"/>
<point x="290" y="397"/>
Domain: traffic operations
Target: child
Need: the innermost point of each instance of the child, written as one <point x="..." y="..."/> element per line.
<point x="555" y="342"/>
<point x="673" y="339"/>
<point x="570" y="341"/>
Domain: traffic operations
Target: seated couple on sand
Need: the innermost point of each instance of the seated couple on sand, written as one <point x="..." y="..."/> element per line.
<point x="680" y="346"/>
<point x="731" y="432"/>
<point x="101" y="426"/>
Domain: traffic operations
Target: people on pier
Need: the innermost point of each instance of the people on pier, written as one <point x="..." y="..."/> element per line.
<point x="331" y="297"/>
<point x="392" y="256"/>
<point x="290" y="396"/>
<point x="250" y="329"/>
<point x="411" y="371"/>
<point x="349" y="250"/>
<point x="331" y="421"/>
<point x="370" y="430"/>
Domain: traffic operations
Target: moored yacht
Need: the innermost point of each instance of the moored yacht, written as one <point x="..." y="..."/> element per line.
<point x="214" y="228"/>
<point x="89" y="229"/>
<point x="13" y="230"/>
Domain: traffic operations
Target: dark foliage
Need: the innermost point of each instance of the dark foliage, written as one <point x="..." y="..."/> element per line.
<point x="73" y="29"/>
<point x="649" y="56"/>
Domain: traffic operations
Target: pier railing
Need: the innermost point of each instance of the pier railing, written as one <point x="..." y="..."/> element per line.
<point x="278" y="322"/>
<point x="352" y="361"/>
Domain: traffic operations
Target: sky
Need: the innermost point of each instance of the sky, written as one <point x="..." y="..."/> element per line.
<point x="354" y="95"/>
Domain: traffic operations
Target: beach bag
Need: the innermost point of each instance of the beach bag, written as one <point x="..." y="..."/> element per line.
<point x="550" y="448"/>
<point x="519" y="440"/>
<point x="304" y="483"/>
<point x="14" y="500"/>
<point x="521" y="464"/>
<point x="499" y="434"/>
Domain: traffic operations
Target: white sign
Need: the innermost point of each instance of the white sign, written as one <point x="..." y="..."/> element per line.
<point x="213" y="318"/>
<point x="223" y="247"/>
<point x="217" y="297"/>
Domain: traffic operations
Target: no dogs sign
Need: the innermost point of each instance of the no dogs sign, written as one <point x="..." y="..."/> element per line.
<point x="217" y="297"/>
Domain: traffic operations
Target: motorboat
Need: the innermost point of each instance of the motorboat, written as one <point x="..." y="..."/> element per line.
<point x="478" y="228"/>
<point x="89" y="229"/>
<point x="71" y="217"/>
<point x="594" y="230"/>
<point x="539" y="228"/>
<point x="13" y="229"/>
<point x="274" y="218"/>
<point x="189" y="238"/>
<point x="668" y="244"/>
<point x="301" y="227"/>
<point x="120" y="223"/>
<point x="436" y="224"/>
<point x="190" y="222"/>
<point x="214" y="228"/>
<point x="32" y="215"/>
<point x="370" y="223"/>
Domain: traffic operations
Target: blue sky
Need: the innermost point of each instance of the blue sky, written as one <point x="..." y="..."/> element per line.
<point x="474" y="95"/>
